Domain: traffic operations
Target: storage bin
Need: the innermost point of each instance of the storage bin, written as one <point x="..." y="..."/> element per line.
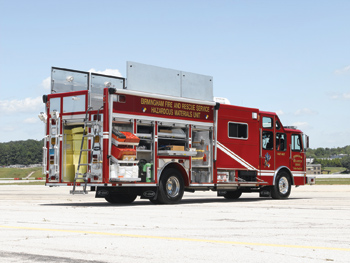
<point x="76" y="157"/>
<point x="119" y="152"/>
<point x="77" y="130"/>
<point x="131" y="137"/>
<point x="128" y="171"/>
<point x="77" y="142"/>
<point x="118" y="136"/>
<point x="69" y="173"/>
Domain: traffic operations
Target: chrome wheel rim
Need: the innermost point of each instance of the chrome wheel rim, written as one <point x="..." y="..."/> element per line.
<point x="173" y="186"/>
<point x="283" y="185"/>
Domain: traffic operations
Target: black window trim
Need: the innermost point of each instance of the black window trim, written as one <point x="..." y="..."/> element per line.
<point x="272" y="122"/>
<point x="228" y="130"/>
<point x="285" y="143"/>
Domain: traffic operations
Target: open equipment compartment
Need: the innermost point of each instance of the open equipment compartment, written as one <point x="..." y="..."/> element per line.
<point x="123" y="165"/>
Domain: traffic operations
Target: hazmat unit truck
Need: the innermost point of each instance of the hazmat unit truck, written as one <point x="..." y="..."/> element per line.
<point x="160" y="135"/>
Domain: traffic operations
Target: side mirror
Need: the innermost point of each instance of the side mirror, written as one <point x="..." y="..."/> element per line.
<point x="306" y="141"/>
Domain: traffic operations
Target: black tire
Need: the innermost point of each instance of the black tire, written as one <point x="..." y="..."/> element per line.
<point x="171" y="187"/>
<point x="121" y="198"/>
<point x="233" y="194"/>
<point x="154" y="201"/>
<point x="282" y="187"/>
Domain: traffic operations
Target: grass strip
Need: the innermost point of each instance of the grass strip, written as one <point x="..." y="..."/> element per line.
<point x="332" y="181"/>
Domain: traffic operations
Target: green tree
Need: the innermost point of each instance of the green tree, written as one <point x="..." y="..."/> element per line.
<point x="21" y="152"/>
<point x="345" y="161"/>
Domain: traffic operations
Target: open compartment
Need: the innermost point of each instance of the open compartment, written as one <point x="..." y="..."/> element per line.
<point x="145" y="154"/>
<point x="72" y="144"/>
<point x="123" y="159"/>
<point x="173" y="139"/>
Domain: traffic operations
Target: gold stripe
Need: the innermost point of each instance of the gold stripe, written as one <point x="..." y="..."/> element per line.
<point x="176" y="238"/>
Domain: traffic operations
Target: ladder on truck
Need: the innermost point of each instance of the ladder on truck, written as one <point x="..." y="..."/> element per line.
<point x="95" y="147"/>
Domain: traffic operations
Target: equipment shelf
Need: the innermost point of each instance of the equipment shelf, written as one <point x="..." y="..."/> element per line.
<point x="177" y="153"/>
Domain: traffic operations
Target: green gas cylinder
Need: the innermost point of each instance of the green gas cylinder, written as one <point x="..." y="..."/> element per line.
<point x="147" y="168"/>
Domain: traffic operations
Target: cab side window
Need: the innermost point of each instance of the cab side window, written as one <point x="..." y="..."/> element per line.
<point x="296" y="143"/>
<point x="281" y="142"/>
<point x="267" y="122"/>
<point x="267" y="140"/>
<point x="278" y="125"/>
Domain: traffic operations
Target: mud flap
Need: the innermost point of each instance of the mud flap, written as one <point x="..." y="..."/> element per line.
<point x="265" y="192"/>
<point x="150" y="193"/>
<point x="221" y="192"/>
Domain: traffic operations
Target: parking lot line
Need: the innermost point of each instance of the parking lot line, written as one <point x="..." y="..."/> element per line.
<point x="176" y="238"/>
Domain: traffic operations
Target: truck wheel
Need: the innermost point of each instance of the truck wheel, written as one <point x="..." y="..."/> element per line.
<point x="171" y="187"/>
<point x="282" y="187"/>
<point x="154" y="201"/>
<point x="233" y="194"/>
<point x="121" y="198"/>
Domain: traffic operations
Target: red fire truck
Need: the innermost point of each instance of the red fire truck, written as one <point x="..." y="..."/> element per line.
<point x="161" y="135"/>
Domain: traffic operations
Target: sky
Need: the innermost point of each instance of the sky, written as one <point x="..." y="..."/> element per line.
<point x="288" y="57"/>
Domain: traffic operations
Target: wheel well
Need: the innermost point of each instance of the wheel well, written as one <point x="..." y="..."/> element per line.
<point x="178" y="167"/>
<point x="285" y="169"/>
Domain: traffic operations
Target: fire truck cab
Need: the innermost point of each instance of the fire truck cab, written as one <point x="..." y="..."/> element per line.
<point x="161" y="135"/>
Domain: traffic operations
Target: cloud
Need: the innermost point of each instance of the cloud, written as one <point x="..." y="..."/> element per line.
<point x="7" y="128"/>
<point x="344" y="70"/>
<point x="305" y="111"/>
<point x="344" y="96"/>
<point x="20" y="106"/>
<point x="302" y="125"/>
<point x="111" y="72"/>
<point x="46" y="83"/>
<point x="31" y="120"/>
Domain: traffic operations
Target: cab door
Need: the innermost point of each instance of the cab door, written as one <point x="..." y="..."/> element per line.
<point x="281" y="146"/>
<point x="267" y="147"/>
<point x="297" y="158"/>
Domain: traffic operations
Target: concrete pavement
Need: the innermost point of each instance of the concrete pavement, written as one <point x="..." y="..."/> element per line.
<point x="39" y="223"/>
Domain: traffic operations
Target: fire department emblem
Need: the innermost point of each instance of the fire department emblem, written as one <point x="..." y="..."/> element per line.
<point x="267" y="159"/>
